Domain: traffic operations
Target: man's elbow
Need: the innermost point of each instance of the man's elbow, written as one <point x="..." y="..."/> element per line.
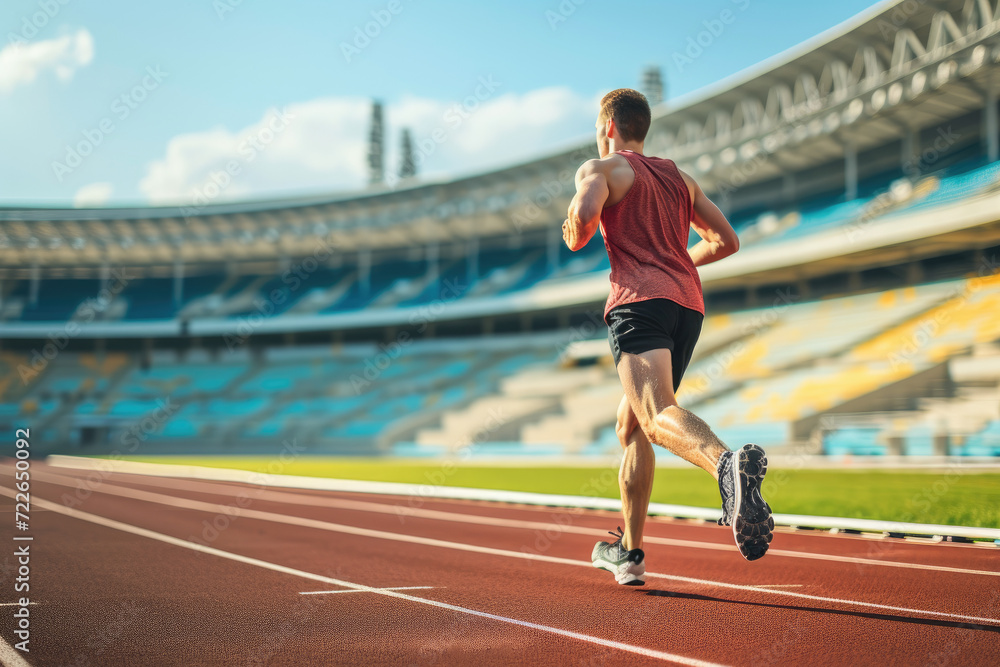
<point x="732" y="244"/>
<point x="588" y="216"/>
<point x="581" y="233"/>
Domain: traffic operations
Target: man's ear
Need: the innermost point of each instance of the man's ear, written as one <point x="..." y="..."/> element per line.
<point x="610" y="128"/>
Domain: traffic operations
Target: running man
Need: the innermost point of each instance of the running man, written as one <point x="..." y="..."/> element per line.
<point x="644" y="206"/>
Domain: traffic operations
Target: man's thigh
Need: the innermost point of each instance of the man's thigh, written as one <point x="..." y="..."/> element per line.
<point x="647" y="380"/>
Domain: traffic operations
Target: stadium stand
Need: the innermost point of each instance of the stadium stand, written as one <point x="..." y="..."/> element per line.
<point x="859" y="318"/>
<point x="537" y="394"/>
<point x="416" y="282"/>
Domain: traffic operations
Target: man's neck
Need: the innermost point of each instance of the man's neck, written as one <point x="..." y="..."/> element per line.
<point x="626" y="146"/>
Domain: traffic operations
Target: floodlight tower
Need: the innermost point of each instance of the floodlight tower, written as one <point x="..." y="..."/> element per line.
<point x="652" y="85"/>
<point x="376" y="145"/>
<point x="407" y="163"/>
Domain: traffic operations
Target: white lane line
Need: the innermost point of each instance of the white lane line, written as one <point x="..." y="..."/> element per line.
<point x="776" y="586"/>
<point x="15" y="604"/>
<point x="464" y="493"/>
<point x="11" y="657"/>
<point x="351" y="590"/>
<point x="143" y="532"/>
<point x="439" y="515"/>
<point x="292" y="520"/>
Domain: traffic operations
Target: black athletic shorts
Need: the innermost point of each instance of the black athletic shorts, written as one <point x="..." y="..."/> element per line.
<point x="654" y="324"/>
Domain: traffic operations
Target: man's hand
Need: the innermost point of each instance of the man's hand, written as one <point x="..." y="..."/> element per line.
<point x="567" y="233"/>
<point x="718" y="239"/>
<point x="584" y="214"/>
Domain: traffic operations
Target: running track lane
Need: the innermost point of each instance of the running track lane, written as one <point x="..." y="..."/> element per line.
<point x="112" y="597"/>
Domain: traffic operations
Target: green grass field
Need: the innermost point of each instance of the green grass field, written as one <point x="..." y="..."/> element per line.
<point x="956" y="498"/>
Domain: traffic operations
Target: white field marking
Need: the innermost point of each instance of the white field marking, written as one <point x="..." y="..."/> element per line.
<point x="460" y="517"/>
<point x="776" y="586"/>
<point x="143" y="532"/>
<point x="9" y="656"/>
<point x="292" y="520"/>
<point x="351" y="590"/>
<point x="15" y="604"/>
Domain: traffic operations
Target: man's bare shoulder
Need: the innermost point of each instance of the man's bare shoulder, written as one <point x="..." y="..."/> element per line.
<point x="602" y="165"/>
<point x="612" y="161"/>
<point x="692" y="185"/>
<point x="617" y="172"/>
<point x="614" y="167"/>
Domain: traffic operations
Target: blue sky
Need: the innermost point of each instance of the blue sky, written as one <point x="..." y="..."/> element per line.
<point x="165" y="97"/>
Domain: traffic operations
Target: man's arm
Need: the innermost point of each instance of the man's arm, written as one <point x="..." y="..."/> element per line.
<point x="718" y="239"/>
<point x="584" y="213"/>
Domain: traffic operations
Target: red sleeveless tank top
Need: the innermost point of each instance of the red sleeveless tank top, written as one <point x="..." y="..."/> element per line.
<point x="646" y="235"/>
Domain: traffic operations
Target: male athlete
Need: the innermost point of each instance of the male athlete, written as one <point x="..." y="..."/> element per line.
<point x="644" y="206"/>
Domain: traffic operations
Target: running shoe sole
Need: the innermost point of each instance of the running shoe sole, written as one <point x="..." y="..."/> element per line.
<point x="626" y="573"/>
<point x="752" y="521"/>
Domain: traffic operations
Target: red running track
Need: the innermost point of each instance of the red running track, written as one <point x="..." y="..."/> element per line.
<point x="140" y="570"/>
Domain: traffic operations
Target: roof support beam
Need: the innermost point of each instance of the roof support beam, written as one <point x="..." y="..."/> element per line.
<point x="553" y="241"/>
<point x="365" y="269"/>
<point x="850" y="170"/>
<point x="472" y="248"/>
<point x="911" y="148"/>
<point x="991" y="120"/>
<point x="178" y="281"/>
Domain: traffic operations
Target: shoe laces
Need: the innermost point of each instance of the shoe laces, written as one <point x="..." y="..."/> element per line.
<point x="620" y="535"/>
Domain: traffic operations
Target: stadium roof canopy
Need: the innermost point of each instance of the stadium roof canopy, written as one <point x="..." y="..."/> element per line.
<point x="901" y="66"/>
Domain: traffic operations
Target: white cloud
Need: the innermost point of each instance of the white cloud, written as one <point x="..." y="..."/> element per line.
<point x="473" y="135"/>
<point x="93" y="195"/>
<point x="21" y="62"/>
<point x="324" y="143"/>
<point x="317" y="145"/>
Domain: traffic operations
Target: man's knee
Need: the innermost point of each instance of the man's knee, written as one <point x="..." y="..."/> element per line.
<point x="668" y="416"/>
<point x="625" y="422"/>
<point x="623" y="429"/>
